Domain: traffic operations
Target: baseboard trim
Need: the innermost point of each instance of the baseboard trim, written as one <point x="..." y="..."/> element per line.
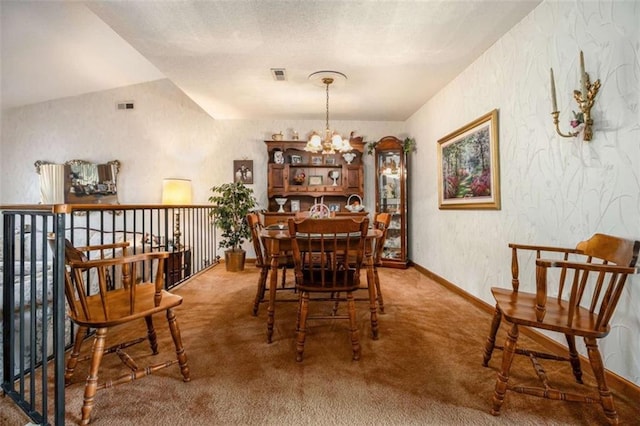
<point x="613" y="379"/>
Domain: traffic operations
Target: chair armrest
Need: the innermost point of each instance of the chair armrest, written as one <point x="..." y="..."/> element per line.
<point x="545" y="248"/>
<point x="93" y="263"/>
<point x="104" y="246"/>
<point x="542" y="266"/>
<point x="515" y="280"/>
<point x="598" y="267"/>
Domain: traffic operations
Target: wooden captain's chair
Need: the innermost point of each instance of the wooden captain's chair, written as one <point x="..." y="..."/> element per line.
<point x="93" y="306"/>
<point x="263" y="261"/>
<point x="321" y="249"/>
<point x="587" y="284"/>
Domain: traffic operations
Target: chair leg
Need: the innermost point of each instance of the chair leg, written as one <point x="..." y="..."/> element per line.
<point x="177" y="341"/>
<point x="335" y="296"/>
<point x="573" y="357"/>
<point x="75" y="353"/>
<point x="151" y="335"/>
<point x="353" y="326"/>
<point x="284" y="276"/>
<point x="262" y="285"/>
<point x="606" y="399"/>
<point x="503" y="375"/>
<point x="378" y="291"/>
<point x="298" y="313"/>
<point x="491" y="340"/>
<point x="91" y="385"/>
<point x="302" y="324"/>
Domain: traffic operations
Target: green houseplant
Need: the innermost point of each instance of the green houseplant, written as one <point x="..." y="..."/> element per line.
<point x="231" y="204"/>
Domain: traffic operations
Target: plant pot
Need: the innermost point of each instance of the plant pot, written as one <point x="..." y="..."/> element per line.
<point x="234" y="260"/>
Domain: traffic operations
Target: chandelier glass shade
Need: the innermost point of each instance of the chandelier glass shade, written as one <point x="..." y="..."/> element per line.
<point x="332" y="141"/>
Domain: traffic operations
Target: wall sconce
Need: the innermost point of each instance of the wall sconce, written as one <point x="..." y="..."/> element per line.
<point x="176" y="192"/>
<point x="584" y="97"/>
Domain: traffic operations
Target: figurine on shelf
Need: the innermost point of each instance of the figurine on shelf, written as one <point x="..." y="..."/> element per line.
<point x="390" y="190"/>
<point x="278" y="157"/>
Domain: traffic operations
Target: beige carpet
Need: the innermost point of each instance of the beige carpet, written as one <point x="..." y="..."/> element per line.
<point x="425" y="368"/>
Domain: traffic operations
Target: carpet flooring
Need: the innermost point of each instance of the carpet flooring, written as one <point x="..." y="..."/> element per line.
<point x="425" y="369"/>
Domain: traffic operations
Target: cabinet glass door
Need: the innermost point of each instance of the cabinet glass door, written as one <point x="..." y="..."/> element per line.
<point x="391" y="198"/>
<point x="390" y="201"/>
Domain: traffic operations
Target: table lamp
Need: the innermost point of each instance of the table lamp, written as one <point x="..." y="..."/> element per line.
<point x="176" y="192"/>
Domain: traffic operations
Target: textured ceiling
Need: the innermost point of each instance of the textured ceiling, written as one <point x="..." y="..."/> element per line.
<point x="396" y="54"/>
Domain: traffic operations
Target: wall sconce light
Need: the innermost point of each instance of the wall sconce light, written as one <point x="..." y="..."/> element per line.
<point x="584" y="97"/>
<point x="176" y="192"/>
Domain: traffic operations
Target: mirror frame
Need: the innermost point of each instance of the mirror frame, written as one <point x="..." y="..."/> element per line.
<point x="102" y="190"/>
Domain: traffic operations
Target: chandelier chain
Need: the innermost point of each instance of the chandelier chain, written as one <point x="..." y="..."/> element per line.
<point x="327" y="84"/>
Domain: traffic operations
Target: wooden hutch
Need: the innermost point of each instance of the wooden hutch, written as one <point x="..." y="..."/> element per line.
<point x="305" y="178"/>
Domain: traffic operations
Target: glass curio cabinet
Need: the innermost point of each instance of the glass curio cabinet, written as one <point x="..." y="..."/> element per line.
<point x="391" y="197"/>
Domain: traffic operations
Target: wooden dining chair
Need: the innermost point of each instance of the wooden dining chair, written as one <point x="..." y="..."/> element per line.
<point x="381" y="223"/>
<point x="321" y="249"/>
<point x="92" y="305"/>
<point x="263" y="261"/>
<point x="576" y="295"/>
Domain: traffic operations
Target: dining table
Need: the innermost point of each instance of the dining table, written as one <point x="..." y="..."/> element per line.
<point x="277" y="241"/>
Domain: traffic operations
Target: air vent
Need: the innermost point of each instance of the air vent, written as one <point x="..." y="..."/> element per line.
<point x="279" y="74"/>
<point x="125" y="105"/>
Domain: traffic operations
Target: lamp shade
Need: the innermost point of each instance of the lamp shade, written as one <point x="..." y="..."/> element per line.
<point x="176" y="191"/>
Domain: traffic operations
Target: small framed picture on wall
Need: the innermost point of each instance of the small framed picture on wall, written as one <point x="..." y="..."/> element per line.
<point x="243" y="171"/>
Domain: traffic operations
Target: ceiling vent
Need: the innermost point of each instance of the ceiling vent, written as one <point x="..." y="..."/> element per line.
<point x="125" y="105"/>
<point x="279" y="74"/>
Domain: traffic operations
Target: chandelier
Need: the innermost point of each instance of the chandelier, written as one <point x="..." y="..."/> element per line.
<point x="332" y="140"/>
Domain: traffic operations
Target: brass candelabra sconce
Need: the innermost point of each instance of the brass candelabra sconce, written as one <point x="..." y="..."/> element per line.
<point x="584" y="97"/>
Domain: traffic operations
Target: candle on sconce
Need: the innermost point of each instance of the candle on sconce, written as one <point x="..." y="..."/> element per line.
<point x="583" y="77"/>
<point x="584" y="96"/>
<point x="554" y="102"/>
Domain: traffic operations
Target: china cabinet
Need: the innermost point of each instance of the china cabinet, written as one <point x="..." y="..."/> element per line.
<point x="391" y="197"/>
<point x="298" y="179"/>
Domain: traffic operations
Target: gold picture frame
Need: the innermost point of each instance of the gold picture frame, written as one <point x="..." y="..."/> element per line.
<point x="468" y="166"/>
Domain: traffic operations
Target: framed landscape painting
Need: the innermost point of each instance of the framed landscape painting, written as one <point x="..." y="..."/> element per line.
<point x="468" y="169"/>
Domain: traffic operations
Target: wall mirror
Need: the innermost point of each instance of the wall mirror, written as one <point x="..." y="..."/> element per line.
<point x="78" y="182"/>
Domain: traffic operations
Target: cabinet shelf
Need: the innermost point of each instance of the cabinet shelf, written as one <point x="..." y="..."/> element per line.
<point x="316" y="169"/>
<point x="315" y="166"/>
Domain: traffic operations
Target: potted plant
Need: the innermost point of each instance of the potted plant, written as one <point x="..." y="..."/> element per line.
<point x="232" y="202"/>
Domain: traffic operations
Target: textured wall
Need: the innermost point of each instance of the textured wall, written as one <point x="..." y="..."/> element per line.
<point x="166" y="135"/>
<point x="554" y="190"/>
